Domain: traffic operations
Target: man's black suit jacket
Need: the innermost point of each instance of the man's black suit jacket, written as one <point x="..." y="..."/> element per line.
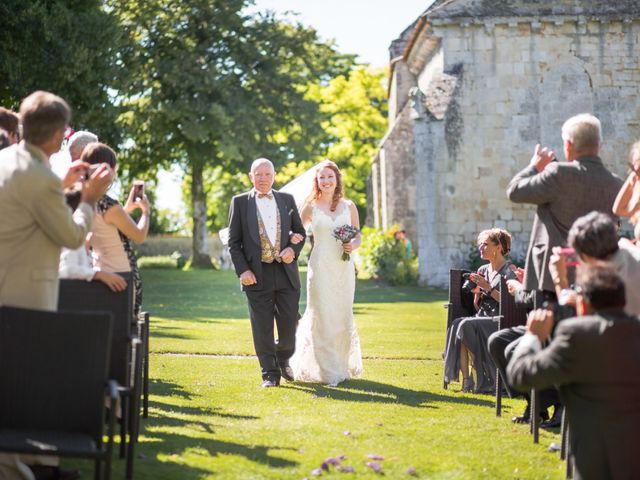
<point x="595" y="362"/>
<point x="244" y="237"/>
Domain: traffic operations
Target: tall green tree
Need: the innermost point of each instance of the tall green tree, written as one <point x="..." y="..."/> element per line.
<point x="355" y="109"/>
<point x="210" y="85"/>
<point x="64" y="46"/>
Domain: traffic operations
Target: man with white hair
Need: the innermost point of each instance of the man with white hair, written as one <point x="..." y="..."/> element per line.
<point x="260" y="225"/>
<point x="562" y="192"/>
<point x="78" y="141"/>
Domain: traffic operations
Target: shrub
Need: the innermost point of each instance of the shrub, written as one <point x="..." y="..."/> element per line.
<point x="161" y="261"/>
<point x="383" y="257"/>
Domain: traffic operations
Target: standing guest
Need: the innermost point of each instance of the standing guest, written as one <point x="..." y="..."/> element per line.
<point x="36" y="223"/>
<point x="10" y="122"/>
<point x="61" y="162"/>
<point x="265" y="259"/>
<point x="114" y="229"/>
<point x="78" y="141"/>
<point x="595" y="361"/>
<point x="562" y="192"/>
<point x="627" y="203"/>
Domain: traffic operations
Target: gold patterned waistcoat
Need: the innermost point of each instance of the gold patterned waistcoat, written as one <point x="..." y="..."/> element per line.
<point x="270" y="252"/>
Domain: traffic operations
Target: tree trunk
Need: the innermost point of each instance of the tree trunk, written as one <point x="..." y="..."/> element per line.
<point x="200" y="257"/>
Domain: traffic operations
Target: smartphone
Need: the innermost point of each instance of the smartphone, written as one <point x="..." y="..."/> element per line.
<point x="138" y="190"/>
<point x="570" y="257"/>
<point x="91" y="169"/>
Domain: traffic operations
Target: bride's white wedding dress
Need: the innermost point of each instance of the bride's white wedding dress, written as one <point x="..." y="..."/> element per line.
<point x="327" y="343"/>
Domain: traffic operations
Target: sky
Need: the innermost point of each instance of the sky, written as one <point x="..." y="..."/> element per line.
<point x="362" y="27"/>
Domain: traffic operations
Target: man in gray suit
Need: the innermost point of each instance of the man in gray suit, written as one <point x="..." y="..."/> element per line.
<point x="595" y="361"/>
<point x="36" y="221"/>
<point x="563" y="192"/>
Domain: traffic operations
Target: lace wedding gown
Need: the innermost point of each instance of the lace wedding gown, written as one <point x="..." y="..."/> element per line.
<point x="327" y="343"/>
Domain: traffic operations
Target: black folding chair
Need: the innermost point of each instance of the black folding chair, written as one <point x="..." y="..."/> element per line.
<point x="144" y="319"/>
<point x="54" y="376"/>
<point x="458" y="304"/>
<point x="126" y="348"/>
<point x="510" y="315"/>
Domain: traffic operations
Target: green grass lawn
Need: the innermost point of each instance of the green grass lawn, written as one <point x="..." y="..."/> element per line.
<point x="209" y="418"/>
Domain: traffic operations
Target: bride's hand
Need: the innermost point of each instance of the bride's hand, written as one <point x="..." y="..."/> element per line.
<point x="347" y="247"/>
<point x="295" y="238"/>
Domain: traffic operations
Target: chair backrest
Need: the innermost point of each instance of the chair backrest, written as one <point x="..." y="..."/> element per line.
<point x="511" y="314"/>
<point x="459" y="301"/>
<point x="95" y="296"/>
<point x="53" y="370"/>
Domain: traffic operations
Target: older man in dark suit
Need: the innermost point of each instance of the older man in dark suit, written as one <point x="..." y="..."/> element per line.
<point x="595" y="361"/>
<point x="260" y="224"/>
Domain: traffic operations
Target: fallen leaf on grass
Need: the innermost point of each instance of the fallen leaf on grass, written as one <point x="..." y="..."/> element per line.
<point x="316" y="471"/>
<point x="373" y="456"/>
<point x="412" y="471"/>
<point x="345" y="469"/>
<point x="347" y="433"/>
<point x="376" y="467"/>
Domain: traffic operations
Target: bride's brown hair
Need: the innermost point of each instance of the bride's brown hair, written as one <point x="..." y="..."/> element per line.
<point x="315" y="190"/>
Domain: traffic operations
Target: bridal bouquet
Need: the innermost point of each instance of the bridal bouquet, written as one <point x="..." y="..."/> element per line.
<point x="345" y="234"/>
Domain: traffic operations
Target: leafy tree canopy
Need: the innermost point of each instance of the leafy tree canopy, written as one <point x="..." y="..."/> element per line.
<point x="66" y="47"/>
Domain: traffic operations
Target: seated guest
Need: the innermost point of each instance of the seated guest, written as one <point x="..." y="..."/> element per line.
<point x="627" y="203"/>
<point x="76" y="263"/>
<point x="595" y="239"/>
<point x="595" y="361"/>
<point x="467" y="336"/>
<point x="114" y="229"/>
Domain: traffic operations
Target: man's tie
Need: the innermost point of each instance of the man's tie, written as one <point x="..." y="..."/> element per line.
<point x="263" y="195"/>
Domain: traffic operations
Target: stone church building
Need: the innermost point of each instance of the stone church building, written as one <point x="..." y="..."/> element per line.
<point x="474" y="85"/>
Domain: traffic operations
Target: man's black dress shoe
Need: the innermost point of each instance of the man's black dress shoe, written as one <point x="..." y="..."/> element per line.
<point x="271" y="382"/>
<point x="556" y="420"/>
<point x="287" y="373"/>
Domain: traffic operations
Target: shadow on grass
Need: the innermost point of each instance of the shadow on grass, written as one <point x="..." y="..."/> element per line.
<point x="368" y="391"/>
<point x="176" y="430"/>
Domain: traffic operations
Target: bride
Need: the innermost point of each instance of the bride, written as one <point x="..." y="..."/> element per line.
<point x="327" y="343"/>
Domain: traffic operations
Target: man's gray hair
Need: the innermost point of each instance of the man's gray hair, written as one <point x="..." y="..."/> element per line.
<point x="79" y="140"/>
<point x="583" y="131"/>
<point x="259" y="161"/>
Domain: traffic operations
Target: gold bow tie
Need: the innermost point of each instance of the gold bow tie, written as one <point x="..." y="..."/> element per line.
<point x="267" y="195"/>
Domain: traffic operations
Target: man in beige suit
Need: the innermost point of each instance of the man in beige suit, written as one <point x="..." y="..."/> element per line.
<point x="36" y="223"/>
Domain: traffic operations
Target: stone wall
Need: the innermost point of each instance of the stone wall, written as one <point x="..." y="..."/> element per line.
<point x="522" y="79"/>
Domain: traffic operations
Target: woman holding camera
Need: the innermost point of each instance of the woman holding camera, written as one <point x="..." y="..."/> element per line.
<point x="113" y="228"/>
<point x="467" y="336"/>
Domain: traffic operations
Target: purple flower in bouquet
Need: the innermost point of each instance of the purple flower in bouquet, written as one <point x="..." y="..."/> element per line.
<point x="345" y="234"/>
